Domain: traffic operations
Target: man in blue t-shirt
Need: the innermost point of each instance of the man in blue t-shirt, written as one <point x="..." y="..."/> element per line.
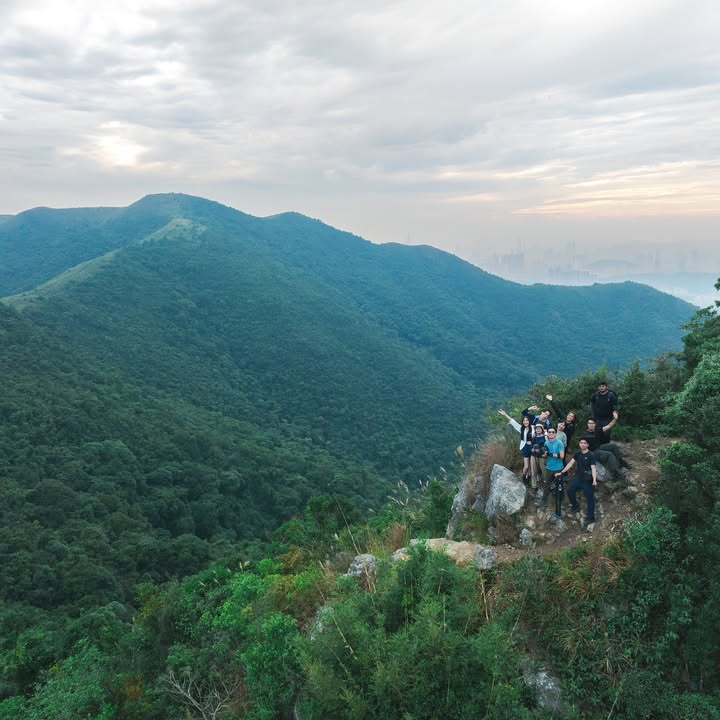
<point x="585" y="480"/>
<point x="553" y="461"/>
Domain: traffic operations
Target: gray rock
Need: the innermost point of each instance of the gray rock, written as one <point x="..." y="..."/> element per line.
<point x="485" y="558"/>
<point x="630" y="491"/>
<point x="526" y="538"/>
<point x="590" y="528"/>
<point x="492" y="534"/>
<point x="363" y="566"/>
<point x="559" y="525"/>
<point x="479" y="505"/>
<point x="400" y="555"/>
<point x="507" y="493"/>
<point x="323" y="617"/>
<point x="640" y="500"/>
<point x="467" y="496"/>
<point x="547" y="689"/>
<point x="603" y="475"/>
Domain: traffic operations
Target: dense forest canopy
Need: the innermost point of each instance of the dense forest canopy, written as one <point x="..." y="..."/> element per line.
<point x="630" y="628"/>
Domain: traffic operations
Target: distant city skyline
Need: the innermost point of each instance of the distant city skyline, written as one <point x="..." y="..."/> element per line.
<point x="681" y="271"/>
<point x="469" y="126"/>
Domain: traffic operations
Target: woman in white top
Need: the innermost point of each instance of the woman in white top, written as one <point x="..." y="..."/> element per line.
<point x="526" y="435"/>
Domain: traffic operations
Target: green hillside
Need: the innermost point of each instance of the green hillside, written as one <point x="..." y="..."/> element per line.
<point x="386" y="353"/>
<point x="85" y="453"/>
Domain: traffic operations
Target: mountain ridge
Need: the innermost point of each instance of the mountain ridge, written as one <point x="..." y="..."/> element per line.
<point x="288" y="301"/>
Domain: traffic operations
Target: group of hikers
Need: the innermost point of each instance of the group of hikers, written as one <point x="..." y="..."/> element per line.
<point x="545" y="448"/>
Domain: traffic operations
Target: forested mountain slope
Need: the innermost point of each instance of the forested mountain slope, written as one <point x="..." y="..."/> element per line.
<point x="106" y="484"/>
<point x="388" y="353"/>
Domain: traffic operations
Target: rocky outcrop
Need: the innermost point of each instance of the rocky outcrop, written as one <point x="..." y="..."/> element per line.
<point x="461" y="553"/>
<point x="468" y="495"/>
<point x="507" y="493"/>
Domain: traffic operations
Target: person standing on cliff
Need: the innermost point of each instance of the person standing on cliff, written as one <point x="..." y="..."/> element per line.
<point x="604" y="405"/>
<point x="585" y="480"/>
<point x="555" y="453"/>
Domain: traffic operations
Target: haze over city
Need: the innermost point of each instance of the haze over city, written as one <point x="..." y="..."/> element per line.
<point x="580" y="136"/>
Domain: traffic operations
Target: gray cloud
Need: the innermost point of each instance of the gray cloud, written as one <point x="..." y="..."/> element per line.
<point x="461" y="124"/>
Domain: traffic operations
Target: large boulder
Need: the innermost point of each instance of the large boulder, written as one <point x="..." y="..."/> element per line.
<point x="507" y="493"/>
<point x="461" y="553"/>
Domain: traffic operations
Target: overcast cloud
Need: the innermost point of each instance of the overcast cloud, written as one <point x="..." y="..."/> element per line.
<point x="471" y="126"/>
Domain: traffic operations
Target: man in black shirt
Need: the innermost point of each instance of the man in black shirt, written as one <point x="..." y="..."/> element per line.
<point x="585" y="479"/>
<point x="604" y="406"/>
<point x="597" y="437"/>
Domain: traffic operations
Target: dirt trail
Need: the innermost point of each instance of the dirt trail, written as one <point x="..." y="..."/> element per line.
<point x="614" y="505"/>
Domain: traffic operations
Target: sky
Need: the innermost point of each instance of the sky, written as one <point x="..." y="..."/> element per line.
<point x="479" y="127"/>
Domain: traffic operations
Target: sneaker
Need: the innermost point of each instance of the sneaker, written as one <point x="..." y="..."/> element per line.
<point x="572" y="511"/>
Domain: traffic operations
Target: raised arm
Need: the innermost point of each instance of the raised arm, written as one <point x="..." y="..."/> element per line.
<point x="556" y="408"/>
<point x="516" y="425"/>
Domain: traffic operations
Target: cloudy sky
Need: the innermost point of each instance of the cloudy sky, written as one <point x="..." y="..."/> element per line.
<point x="475" y="126"/>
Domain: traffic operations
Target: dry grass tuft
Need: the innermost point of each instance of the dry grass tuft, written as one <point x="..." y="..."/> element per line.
<point x="397" y="536"/>
<point x="596" y="572"/>
<point x="498" y="450"/>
